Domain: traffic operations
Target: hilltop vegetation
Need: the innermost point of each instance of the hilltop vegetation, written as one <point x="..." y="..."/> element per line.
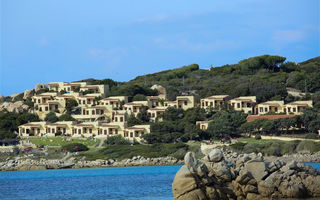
<point x="266" y="77"/>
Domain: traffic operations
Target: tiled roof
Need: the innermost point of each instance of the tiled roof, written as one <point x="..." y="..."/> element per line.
<point x="270" y="117"/>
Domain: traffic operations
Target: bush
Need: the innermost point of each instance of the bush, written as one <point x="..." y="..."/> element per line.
<point x="257" y="137"/>
<point x="308" y="146"/>
<point x="116" y="140"/>
<point x="312" y="136"/>
<point x="51" y="117"/>
<point x="238" y="146"/>
<point x="66" y="117"/>
<point x="75" y="147"/>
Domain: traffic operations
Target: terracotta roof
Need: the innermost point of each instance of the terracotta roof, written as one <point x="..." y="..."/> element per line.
<point x="110" y="125"/>
<point x="270" y="117"/>
<point x="240" y="99"/>
<point x="135" y="128"/>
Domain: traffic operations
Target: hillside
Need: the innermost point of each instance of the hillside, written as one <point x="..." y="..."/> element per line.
<point x="266" y="77"/>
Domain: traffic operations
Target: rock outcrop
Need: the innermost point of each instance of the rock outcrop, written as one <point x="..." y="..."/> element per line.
<point x="15" y="97"/>
<point x="28" y="94"/>
<point x="17" y="107"/>
<point x="27" y="163"/>
<point x="2" y="99"/>
<point x="251" y="177"/>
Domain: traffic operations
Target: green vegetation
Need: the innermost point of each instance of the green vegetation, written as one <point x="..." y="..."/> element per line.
<point x="177" y="126"/>
<point x="9" y="123"/>
<point x="117" y="140"/>
<point x="275" y="147"/>
<point x="66" y="117"/>
<point x="51" y="117"/>
<point x="75" y="147"/>
<point x="120" y="152"/>
<point x="226" y="124"/>
<point x="60" y="141"/>
<point x="70" y="104"/>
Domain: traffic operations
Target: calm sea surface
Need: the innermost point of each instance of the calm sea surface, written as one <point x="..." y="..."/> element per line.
<point x="108" y="183"/>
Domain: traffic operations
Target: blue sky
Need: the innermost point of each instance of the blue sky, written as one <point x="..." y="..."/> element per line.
<point x="58" y="40"/>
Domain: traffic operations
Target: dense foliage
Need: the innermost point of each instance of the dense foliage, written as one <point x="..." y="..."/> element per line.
<point x="51" y="117"/>
<point x="66" y="117"/>
<point x="116" y="140"/>
<point x="177" y="126"/>
<point x="9" y="123"/>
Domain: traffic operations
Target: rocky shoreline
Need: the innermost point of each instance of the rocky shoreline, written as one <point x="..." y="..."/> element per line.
<point x="231" y="176"/>
<point x="22" y="164"/>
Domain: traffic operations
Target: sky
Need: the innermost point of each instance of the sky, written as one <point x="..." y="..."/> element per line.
<point x="58" y="40"/>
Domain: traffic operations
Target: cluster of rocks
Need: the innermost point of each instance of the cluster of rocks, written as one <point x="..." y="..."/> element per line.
<point x="32" y="164"/>
<point x="249" y="177"/>
<point x="303" y="156"/>
<point x="17" y="107"/>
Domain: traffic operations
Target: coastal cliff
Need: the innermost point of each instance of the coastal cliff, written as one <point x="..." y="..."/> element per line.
<point x="250" y="177"/>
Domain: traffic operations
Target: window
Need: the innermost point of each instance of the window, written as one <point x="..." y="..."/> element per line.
<point x="56" y="107"/>
<point x="185" y="103"/>
<point x="211" y="104"/>
<point x="157" y="103"/>
<point x="116" y="131"/>
<point x="39" y="101"/>
<point x="116" y="119"/>
<point x="53" y="130"/>
<point x="64" y="130"/>
<point x="153" y="115"/>
<point x="93" y="112"/>
<point x="131" y="134"/>
<point x="276" y="109"/>
<point x="265" y="109"/>
<point x="40" y="109"/>
<point x="83" y="102"/>
<point x="87" y="112"/>
<point x="79" y="131"/>
<point x="46" y="108"/>
<point x="105" y="132"/>
<point x="136" y="134"/>
<point x="90" y="130"/>
<point x="294" y="110"/>
<point x="261" y="109"/>
<point x="202" y="104"/>
<point x="121" y="119"/>
<point x="23" y="130"/>
<point x="84" y="112"/>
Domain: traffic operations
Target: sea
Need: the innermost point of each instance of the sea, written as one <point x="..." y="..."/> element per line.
<point x="127" y="183"/>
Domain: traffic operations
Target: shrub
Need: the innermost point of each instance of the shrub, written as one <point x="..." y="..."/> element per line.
<point x="312" y="136"/>
<point x="308" y="146"/>
<point x="75" y="147"/>
<point x="51" y="117"/>
<point x="117" y="140"/>
<point x="257" y="137"/>
<point x="238" y="146"/>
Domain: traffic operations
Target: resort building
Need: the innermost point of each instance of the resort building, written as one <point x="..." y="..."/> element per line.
<point x="269" y="107"/>
<point x="297" y="107"/>
<point x="44" y="97"/>
<point x="185" y="102"/>
<point x="32" y="129"/>
<point x="93" y="113"/>
<point x="136" y="132"/>
<point x="114" y="102"/>
<point x="87" y="100"/>
<point x="59" y="128"/>
<point x="214" y="102"/>
<point x="203" y="125"/>
<point x="155" y="101"/>
<point x="245" y="104"/>
<point x="102" y="90"/>
<point x="155" y="114"/>
<point x="135" y="107"/>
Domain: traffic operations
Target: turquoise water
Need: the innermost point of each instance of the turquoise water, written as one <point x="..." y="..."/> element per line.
<point x="138" y="183"/>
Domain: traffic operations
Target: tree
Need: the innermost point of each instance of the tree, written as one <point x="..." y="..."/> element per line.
<point x="173" y="114"/>
<point x="51" y="117"/>
<point x="309" y="115"/>
<point x="117" y="140"/>
<point x="71" y="103"/>
<point x="224" y="124"/>
<point x="139" y="97"/>
<point x="132" y="120"/>
<point x="66" y="117"/>
<point x="143" y="115"/>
